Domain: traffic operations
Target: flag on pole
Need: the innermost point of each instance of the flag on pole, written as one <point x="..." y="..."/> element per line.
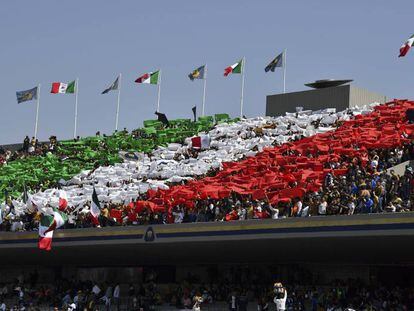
<point x="150" y="78"/>
<point x="406" y="46"/>
<point x="49" y="223"/>
<point x="112" y="87"/>
<point x="235" y="68"/>
<point x="63" y="200"/>
<point x="276" y="62"/>
<point x="23" y="96"/>
<point x="198" y="73"/>
<point x="63" y="88"/>
<point x="194" y="109"/>
<point x="95" y="207"/>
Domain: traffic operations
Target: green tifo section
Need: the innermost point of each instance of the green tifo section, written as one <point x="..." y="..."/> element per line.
<point x="74" y="156"/>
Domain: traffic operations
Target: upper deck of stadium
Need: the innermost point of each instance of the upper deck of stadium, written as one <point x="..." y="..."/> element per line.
<point x="362" y="239"/>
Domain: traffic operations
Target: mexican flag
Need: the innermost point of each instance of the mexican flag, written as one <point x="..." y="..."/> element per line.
<point x="150" y="78"/>
<point x="235" y="68"/>
<point x="406" y="46"/>
<point x="63" y="88"/>
<point x="48" y="223"/>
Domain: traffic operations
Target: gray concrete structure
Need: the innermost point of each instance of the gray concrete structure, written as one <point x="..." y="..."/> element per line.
<point x="340" y="97"/>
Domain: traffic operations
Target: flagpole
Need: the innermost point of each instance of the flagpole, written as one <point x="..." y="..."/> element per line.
<point x="159" y="92"/>
<point x="284" y="71"/>
<point x="242" y="86"/>
<point x="76" y="106"/>
<point x="204" y="89"/>
<point x="37" y="110"/>
<point x="117" y="106"/>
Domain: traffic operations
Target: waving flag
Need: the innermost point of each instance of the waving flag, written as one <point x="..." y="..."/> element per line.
<point x="112" y="87"/>
<point x="95" y="208"/>
<point x="276" y="62"/>
<point x="23" y="96"/>
<point x="406" y="46"/>
<point x="198" y="73"/>
<point x="63" y="88"/>
<point x="150" y="78"/>
<point x="48" y="223"/>
<point x="235" y="68"/>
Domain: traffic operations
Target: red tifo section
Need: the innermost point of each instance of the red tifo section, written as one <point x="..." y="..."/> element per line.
<point x="282" y="177"/>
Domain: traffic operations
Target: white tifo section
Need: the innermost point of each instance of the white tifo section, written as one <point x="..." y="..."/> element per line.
<point x="229" y="142"/>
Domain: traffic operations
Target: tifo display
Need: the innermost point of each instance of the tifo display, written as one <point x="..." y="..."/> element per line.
<point x="298" y="165"/>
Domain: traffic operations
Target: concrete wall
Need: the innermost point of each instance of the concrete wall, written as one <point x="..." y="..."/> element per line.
<point x="341" y="98"/>
<point x="359" y="97"/>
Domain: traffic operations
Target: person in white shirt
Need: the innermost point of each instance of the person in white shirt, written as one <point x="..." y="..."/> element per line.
<point x="2" y="306"/>
<point x="241" y="212"/>
<point x="305" y="211"/>
<point x="322" y="207"/>
<point x="178" y="216"/>
<point x="280" y="296"/>
<point x="299" y="205"/>
<point x="274" y="212"/>
<point x="351" y="207"/>
<point x="197" y="302"/>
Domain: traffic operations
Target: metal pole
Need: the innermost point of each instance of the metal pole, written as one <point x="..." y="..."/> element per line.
<point x="76" y="106"/>
<point x="159" y="91"/>
<point x="242" y="86"/>
<point x="284" y="71"/>
<point x="204" y="90"/>
<point x="37" y="110"/>
<point x="117" y="106"/>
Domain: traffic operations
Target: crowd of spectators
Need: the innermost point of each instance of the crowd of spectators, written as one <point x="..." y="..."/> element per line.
<point x="367" y="187"/>
<point x="223" y="293"/>
<point x="364" y="189"/>
<point x="30" y="148"/>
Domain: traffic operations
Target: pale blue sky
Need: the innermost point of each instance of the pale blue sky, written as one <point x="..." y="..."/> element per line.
<point x="49" y="40"/>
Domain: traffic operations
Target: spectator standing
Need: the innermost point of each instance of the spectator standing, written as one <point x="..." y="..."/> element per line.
<point x="233" y="302"/>
<point x="197" y="302"/>
<point x="116" y="296"/>
<point x="280" y="297"/>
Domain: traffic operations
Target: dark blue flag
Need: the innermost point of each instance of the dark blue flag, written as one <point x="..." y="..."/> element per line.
<point x="276" y="62"/>
<point x="23" y="96"/>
